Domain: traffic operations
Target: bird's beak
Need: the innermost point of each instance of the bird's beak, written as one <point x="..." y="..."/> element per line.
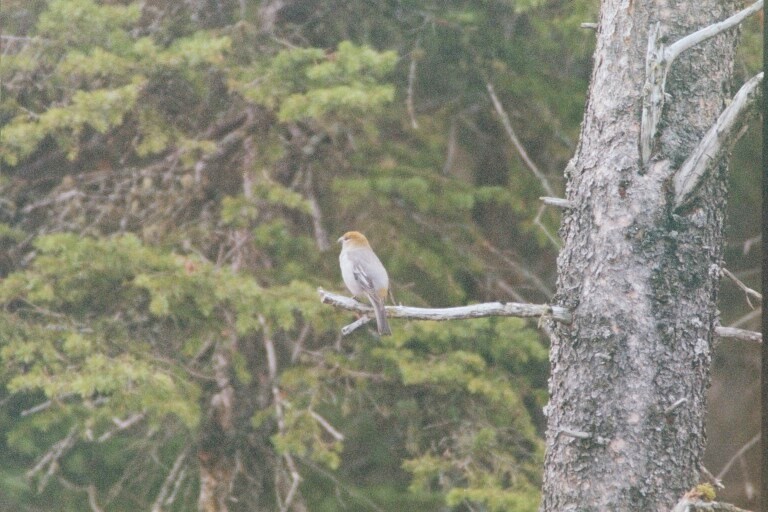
<point x="341" y="239"/>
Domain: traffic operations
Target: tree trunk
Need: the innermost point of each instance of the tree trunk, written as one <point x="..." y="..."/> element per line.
<point x="216" y="453"/>
<point x="629" y="375"/>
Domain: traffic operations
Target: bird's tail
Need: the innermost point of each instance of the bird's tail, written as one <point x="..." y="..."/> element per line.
<point x="382" y="325"/>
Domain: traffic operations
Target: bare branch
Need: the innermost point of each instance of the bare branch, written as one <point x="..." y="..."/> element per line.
<point x="43" y="406"/>
<point x="550" y="236"/>
<point x="556" y="201"/>
<point x="752" y="315"/>
<point x="749" y="444"/>
<point x="748" y="243"/>
<point x="688" y="505"/>
<point x="321" y="237"/>
<point x="21" y="38"/>
<point x="575" y="433"/>
<point x="51" y="458"/>
<point x="269" y="347"/>
<point x="712" y="478"/>
<point x="519" y="268"/>
<point x="516" y="142"/>
<point x="657" y="64"/>
<point x="739" y="334"/>
<point x="669" y="410"/>
<point x="171" y="481"/>
<point x="589" y="25"/>
<point x="717" y="142"/>
<point x="487" y="309"/>
<point x="747" y="290"/>
<point x="450" y="152"/>
<point x="705" y="33"/>
<point x="121" y="425"/>
<point x="347" y="329"/>
<point x="298" y="345"/>
<point x="340" y="486"/>
<point x="295" y="480"/>
<point x="92" y="498"/>
<point x="89" y="489"/>
<point x="327" y="426"/>
<point x="411" y="82"/>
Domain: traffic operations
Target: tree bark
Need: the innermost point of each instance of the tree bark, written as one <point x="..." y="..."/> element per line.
<point x="216" y="453"/>
<point x="640" y="278"/>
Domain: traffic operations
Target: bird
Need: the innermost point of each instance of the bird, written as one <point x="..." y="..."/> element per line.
<point x="364" y="275"/>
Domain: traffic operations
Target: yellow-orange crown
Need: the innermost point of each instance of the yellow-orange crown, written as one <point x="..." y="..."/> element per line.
<point x="354" y="238"/>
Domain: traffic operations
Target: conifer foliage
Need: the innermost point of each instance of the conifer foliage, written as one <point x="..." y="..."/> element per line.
<point x="174" y="176"/>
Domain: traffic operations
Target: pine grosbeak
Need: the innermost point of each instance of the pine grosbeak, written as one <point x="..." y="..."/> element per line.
<point x="364" y="275"/>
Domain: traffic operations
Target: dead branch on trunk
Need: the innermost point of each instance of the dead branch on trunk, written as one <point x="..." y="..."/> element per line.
<point x="718" y="141"/>
<point x="487" y="309"/>
<point x="658" y="62"/>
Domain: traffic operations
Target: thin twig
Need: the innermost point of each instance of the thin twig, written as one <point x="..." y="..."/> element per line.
<point x="411" y="83"/>
<point x="89" y="489"/>
<point x="749" y="444"/>
<point x="712" y="478"/>
<point x="747" y="290"/>
<point x="327" y="426"/>
<point x="298" y="345"/>
<point x="51" y="458"/>
<point x="669" y="410"/>
<point x="752" y="315"/>
<point x="121" y="425"/>
<point x="295" y="480"/>
<point x="516" y="142"/>
<point x="340" y="485"/>
<point x="538" y="222"/>
<point x="749" y="242"/>
<point x="450" y="152"/>
<point x="364" y="319"/>
<point x="170" y="481"/>
<point x="520" y="268"/>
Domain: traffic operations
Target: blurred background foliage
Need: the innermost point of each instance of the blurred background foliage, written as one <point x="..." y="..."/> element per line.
<point x="174" y="176"/>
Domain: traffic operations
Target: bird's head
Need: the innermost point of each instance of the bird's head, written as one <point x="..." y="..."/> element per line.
<point x="353" y="239"/>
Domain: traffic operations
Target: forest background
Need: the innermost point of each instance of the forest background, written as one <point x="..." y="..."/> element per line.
<point x="174" y="176"/>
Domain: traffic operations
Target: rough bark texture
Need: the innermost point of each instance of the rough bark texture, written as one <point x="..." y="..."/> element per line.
<point x="641" y="280"/>
<point x="216" y="453"/>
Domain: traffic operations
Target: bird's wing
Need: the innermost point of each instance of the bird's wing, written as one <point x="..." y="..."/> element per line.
<point x="363" y="279"/>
